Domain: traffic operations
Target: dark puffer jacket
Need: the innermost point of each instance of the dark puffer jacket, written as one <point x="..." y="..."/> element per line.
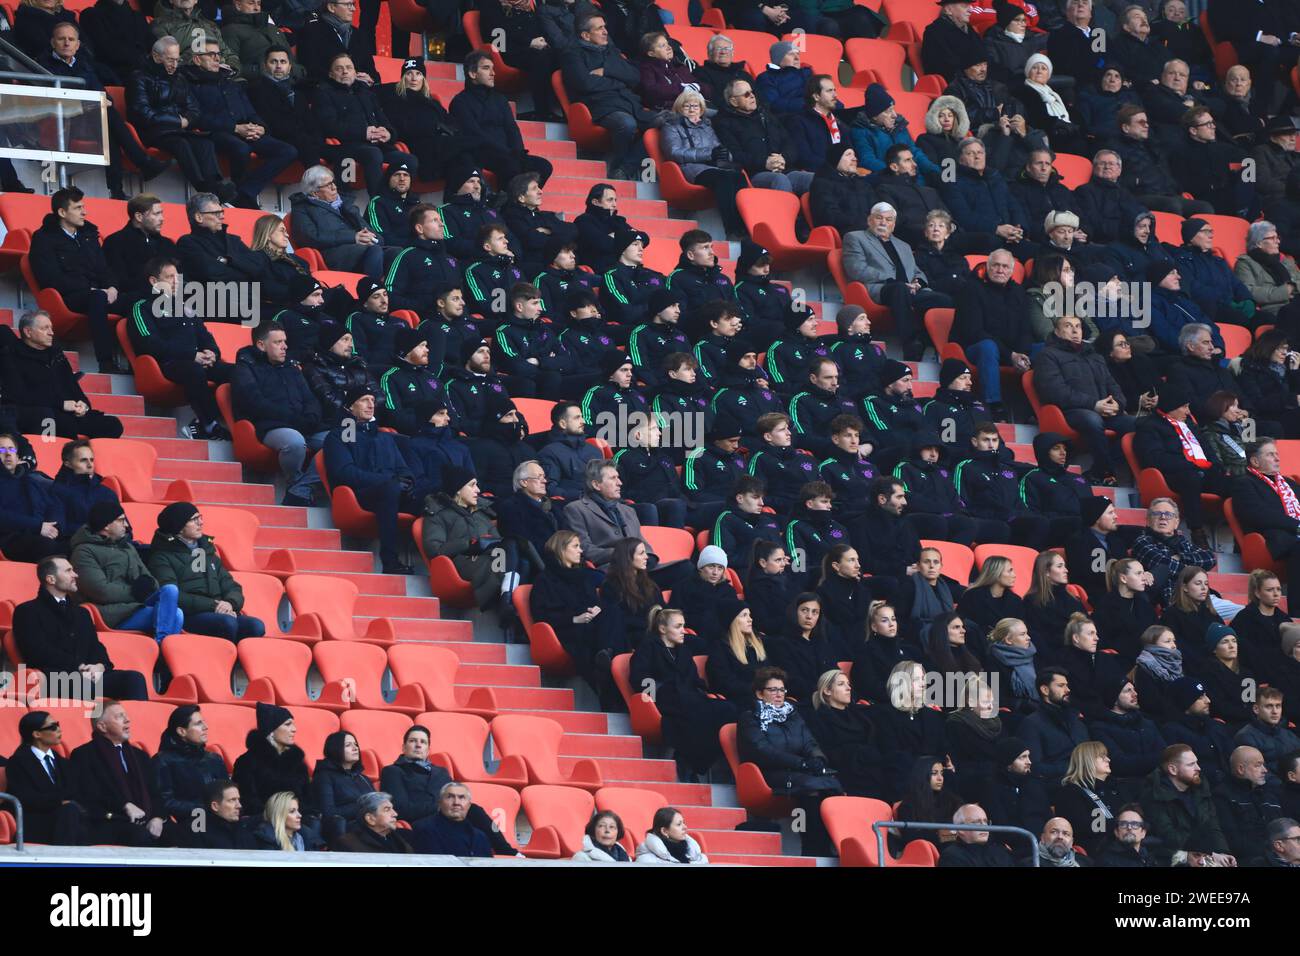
<point x="184" y="771"/>
<point x="71" y="264"/>
<point x="273" y="396"/>
<point x="202" y="583"/>
<point x="752" y="137"/>
<point x="156" y="102"/>
<point x="262" y="771"/>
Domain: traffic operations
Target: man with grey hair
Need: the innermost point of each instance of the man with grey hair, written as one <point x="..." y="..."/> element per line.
<point x="599" y="517"/>
<point x="375" y="828"/>
<point x="719" y="69"/>
<point x="1106" y="209"/>
<point x="973" y="847"/>
<point x="886" y="266"/>
<point x="161" y="105"/>
<point x="211" y="253"/>
<point x="992" y="325"/>
<point x="1283" y="838"/>
<point x="448" y="831"/>
<point x="1164" y="552"/>
<point x="323" y="220"/>
<point x="1265" y="502"/>
<point x="758" y="141"/>
<point x="1273" y="286"/>
<point x="40" y="384"/>
<point x="528" y="518"/>
<point x="1197" y="369"/>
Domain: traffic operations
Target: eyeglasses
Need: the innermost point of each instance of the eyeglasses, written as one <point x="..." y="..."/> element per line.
<point x="746" y="94"/>
<point x="1164" y="515"/>
<point x="212" y="212"/>
<point x="534" y="478"/>
<point x="1123" y="344"/>
<point x="327" y="185"/>
<point x="1208" y="122"/>
<point x="1130" y="825"/>
<point x="8" y="450"/>
<point x="774" y="690"/>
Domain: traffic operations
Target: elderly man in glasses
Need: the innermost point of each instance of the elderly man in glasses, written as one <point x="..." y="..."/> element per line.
<point x="1165" y="552"/>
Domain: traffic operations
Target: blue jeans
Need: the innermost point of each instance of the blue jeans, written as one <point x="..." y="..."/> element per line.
<point x="233" y="629"/>
<point x="984" y="355"/>
<point x="159" y="614"/>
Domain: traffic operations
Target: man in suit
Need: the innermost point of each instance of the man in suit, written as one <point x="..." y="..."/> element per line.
<point x="45" y="783"/>
<point x="1266" y="501"/>
<point x="116" y="783"/>
<point x="600" y="518"/>
<point x="887" y="268"/>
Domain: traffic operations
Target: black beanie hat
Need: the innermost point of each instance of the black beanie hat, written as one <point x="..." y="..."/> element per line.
<point x="876" y="101"/>
<point x="407" y="339"/>
<point x="469" y="347"/>
<point x="728" y="606"/>
<point x="724" y="426"/>
<point x="580" y="298"/>
<point x="1008" y="749"/>
<point x="1109" y="687"/>
<point x="355" y="393"/>
<point x="891" y="370"/>
<point x="794" y="318"/>
<point x="553" y="246"/>
<point x="102" y="514"/>
<point x="1186" y="691"/>
<point x="951" y="370"/>
<point x="455" y="478"/>
<point x="414" y="63"/>
<point x="624" y="236"/>
<point x="270" y="716"/>
<point x="972" y="54"/>
<point x="612" y="361"/>
<point x="750" y="252"/>
<point x="397" y="166"/>
<point x="1157" y="269"/>
<point x="1006" y="12"/>
<point x="661" y="299"/>
<point x="835" y="152"/>
<point x="366" y="287"/>
<point x="1191" y="227"/>
<point x="457" y="176"/>
<point x="175" y="517"/>
<point x="300" y="287"/>
<point x="1172" y="395"/>
<point x="1091" y="509"/>
<point x="330" y="332"/>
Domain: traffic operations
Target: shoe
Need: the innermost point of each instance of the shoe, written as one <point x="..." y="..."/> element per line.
<point x="1201" y="538"/>
<point x="153" y="169"/>
<point x="194" y="430"/>
<point x="397" y="567"/>
<point x="115" y="366"/>
<point x="217" y="432"/>
<point x="16" y="187"/>
<point x="296" y="501"/>
<point x="226" y="191"/>
<point x="118" y="194"/>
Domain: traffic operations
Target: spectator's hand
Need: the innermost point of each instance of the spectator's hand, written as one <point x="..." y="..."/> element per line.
<point x="245" y="130"/>
<point x="1223" y="859"/>
<point x="1149" y="578"/>
<point x="775" y="162"/>
<point x="155" y="827"/>
<point x="1270" y="40"/>
<point x="49" y="530"/>
<point x="366" y="78"/>
<point x="1018" y="125"/>
<point x="134" y="813"/>
<point x="1106" y="407"/>
<point x="539" y="43"/>
<point x="201" y="357"/>
<point x="598" y="71"/>
<point x="185" y="124"/>
<point x="1020" y="360"/>
<point x="914" y="286"/>
<point x="71" y="406"/>
<point x="111" y="294"/>
<point x="225" y="607"/>
<point x="1007" y="231"/>
<point x="912" y="569"/>
<point x="365" y="237"/>
<point x="1004" y="123"/>
<point x="1080" y="236"/>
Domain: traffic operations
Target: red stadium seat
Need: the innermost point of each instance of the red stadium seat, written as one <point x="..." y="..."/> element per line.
<point x="150" y="382"/>
<point x="536" y="412"/>
<point x="1169" y="228"/>
<point x="751" y="789"/>
<point x="635" y="807"/>
<point x="313" y="726"/>
<point x="148" y="722"/>
<point x="883" y="56"/>
<point x="670" y="544"/>
<point x="582" y="128"/>
<point x="849" y="820"/>
<point x="677" y="191"/>
<point x="281" y="669"/>
<point x="364" y="665"/>
<point x="536" y="741"/>
<point x="645" y="717"/>
<point x="228" y="727"/>
<point x="457" y="743"/>
<point x="548" y="653"/>
<point x="822" y="53"/>
<point x="501" y="804"/>
<point x="1254" y="550"/>
<point x="209" y="662"/>
<point x="564" y="811"/>
<point x="248" y="450"/>
<point x="769" y="215"/>
<point x="958" y="560"/>
<point x="1229" y="235"/>
<point x="331" y="602"/>
<point x="133" y="462"/>
<point x="694" y="40"/>
<point x="1236" y="339"/>
<point x="262" y="595"/>
<point x="508" y="78"/>
<point x="433" y="670"/>
<point x="1074" y="170"/>
<point x="1022" y="559"/>
<point x="444" y="580"/>
<point x="139" y="652"/>
<point x="379" y="735"/>
<point x="75" y="720"/>
<point x="17" y="584"/>
<point x="349" y="516"/>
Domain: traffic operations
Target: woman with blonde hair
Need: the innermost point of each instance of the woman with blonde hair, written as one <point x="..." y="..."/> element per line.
<point x="736" y="656"/>
<point x="1190" y="614"/>
<point x="421" y="123"/>
<point x="282" y="826"/>
<point x="992" y="597"/>
<point x="844" y="730"/>
<point x="878" y="651"/>
<point x="688" y="138"/>
<point x="1088" y="797"/>
<point x="1013" y="656"/>
<point x="905" y="727"/>
<point x="1125" y="610"/>
<point x="283" y="271"/>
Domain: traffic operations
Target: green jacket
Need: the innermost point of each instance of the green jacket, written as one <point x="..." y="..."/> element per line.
<point x="105" y="570"/>
<point x="250" y="35"/>
<point x="1174" y="822"/>
<point x="169" y="21"/>
<point x="448" y="527"/>
<point x="198" y="574"/>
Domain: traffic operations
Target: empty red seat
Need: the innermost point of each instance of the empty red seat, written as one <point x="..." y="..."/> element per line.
<point x="148" y="721"/>
<point x="501" y="804"/>
<point x="331" y="601"/>
<point x="138" y="652"/>
<point x="558" y="814"/>
<point x="209" y="662"/>
<point x="313" y="726"/>
<point x="670" y="544"/>
<point x="228" y="727"/>
<point x="769" y="215"/>
<point x="280" y="668"/>
<point x="433" y="670"/>
<point x="363" y="665"/>
<point x="457" y="742"/>
<point x="262" y="596"/>
<point x="536" y="741"/>
<point x="849" y="820"/>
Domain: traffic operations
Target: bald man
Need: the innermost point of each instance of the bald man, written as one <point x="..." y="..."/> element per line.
<point x="1246" y="803"/>
<point x="973" y="847"/>
<point x="1056" y="845"/>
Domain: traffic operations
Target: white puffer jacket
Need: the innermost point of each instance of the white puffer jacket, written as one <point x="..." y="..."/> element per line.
<point x="653" y="851"/>
<point x="591" y="853"/>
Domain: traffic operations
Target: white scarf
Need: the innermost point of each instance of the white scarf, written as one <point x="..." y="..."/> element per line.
<point x="1051" y="99"/>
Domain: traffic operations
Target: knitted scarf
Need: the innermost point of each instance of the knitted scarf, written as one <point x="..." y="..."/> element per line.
<point x="1283" y="490"/>
<point x="1165" y="663"/>
<point x="767" y="714"/>
<point x="1273" y="265"/>
<point x="1192" y="450"/>
<point x="930" y="601"/>
<point x="1046" y="859"/>
<point x="1020" y="661"/>
<point x="985" y="728"/>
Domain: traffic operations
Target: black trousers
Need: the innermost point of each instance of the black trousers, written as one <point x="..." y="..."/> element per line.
<point x="386" y="500"/>
<point x="507" y="164"/>
<point x="194" y="379"/>
<point x="725" y="183"/>
<point x="33" y="419"/>
<point x="538" y="65"/>
<point x="196" y="155"/>
<point x="1189" y="487"/>
<point x="93" y="303"/>
<point x="958" y="529"/>
<point x="909" y="310"/>
<point x="1176" y="204"/>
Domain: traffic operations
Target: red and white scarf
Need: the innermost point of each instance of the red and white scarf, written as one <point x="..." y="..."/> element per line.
<point x="1283" y="489"/>
<point x="1192" y="450"/>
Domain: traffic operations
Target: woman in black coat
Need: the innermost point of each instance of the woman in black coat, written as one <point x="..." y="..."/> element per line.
<point x="845" y="596"/>
<point x="185" y="768"/>
<point x="272" y="762"/>
<point x="1159" y="666"/>
<point x="338" y="784"/>
<point x="925" y="596"/>
<point x="422" y="123"/>
<point x="844" y="730"/>
<point x="905" y="727"/>
<point x="1190" y="614"/>
<point x="927" y="798"/>
<point x="1229" y="683"/>
<point x="1269" y="380"/>
<point x="942" y="261"/>
<point x="877" y="651"/>
<point x="771" y="734"/>
<point x="769" y="586"/>
<point x="700" y="595"/>
<point x="946" y="652"/>
<point x="1124" y="611"/>
<point x="691" y="718"/>
<point x="564" y="596"/>
<point x="1135" y="373"/>
<point x="1259" y="625"/>
<point x="1048" y="603"/>
<point x="991" y="598"/>
<point x="735" y="656"/>
<point x="1088" y="796"/>
<point x="626" y="598"/>
<point x="974" y="733"/>
<point x="803" y="650"/>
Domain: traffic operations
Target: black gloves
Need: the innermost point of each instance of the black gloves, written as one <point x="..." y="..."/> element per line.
<point x="142" y="588"/>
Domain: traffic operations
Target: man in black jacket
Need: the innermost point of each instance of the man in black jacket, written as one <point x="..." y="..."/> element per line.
<point x="949" y="39"/>
<point x="991" y="324"/>
<point x="1040" y="190"/>
<point x="990" y="487"/>
<point x="841" y="197"/>
<point x="140" y="241"/>
<point x="1246" y="803"/>
<point x="271" y="391"/>
<point x="1106" y="209"/>
<point x="419" y="271"/>
<point x="597" y="75"/>
<point x="58" y="637"/>
<point x="285" y="105"/>
<point x="118" y="33"/>
<point x="887" y="545"/>
<point x="1145" y="172"/>
<point x="1088" y="553"/>
<point x="349" y="112"/>
<point x="1125" y="848"/>
<point x="533" y="228"/>
<point x="163" y="109"/>
<point x="116" y="785"/>
<point x="465" y="211"/>
<point x="222" y="829"/>
<point x="66" y="256"/>
<point x="1208" y="737"/>
<point x="211" y="253"/>
<point x="900" y="186"/>
<point x="1266" y="501"/>
<point x="375" y="828"/>
<point x="759" y="142"/>
<point x="39" y="381"/>
<point x="527" y="518"/>
<point x="162" y="326"/>
<point x="1203" y="167"/>
<point x="972" y="847"/>
<point x="488" y="125"/>
<point x="934" y="509"/>
<point x="328" y="33"/>
<point x="1053" y="730"/>
<point x="45" y="783"/>
<point x="1072" y="47"/>
<point x="565" y="455"/>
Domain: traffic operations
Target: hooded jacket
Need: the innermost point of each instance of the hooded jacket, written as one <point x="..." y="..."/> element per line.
<point x="1051" y="489"/>
<point x="184" y="771"/>
<point x="929" y="486"/>
<point x="106" y="570"/>
<point x="250" y="36"/>
<point x="330" y="378"/>
<point x="871" y="141"/>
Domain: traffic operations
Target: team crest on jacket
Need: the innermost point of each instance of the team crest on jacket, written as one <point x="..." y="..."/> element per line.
<point x="943" y="472"/>
<point x="497" y="388"/>
<point x="806" y="465"/>
<point x="603" y="340"/>
<point x="836" y="533"/>
<point x="766" y="394"/>
<point x="1008" y="473"/>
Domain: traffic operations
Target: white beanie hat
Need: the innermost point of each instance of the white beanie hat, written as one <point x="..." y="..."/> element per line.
<point x="711" y="554"/>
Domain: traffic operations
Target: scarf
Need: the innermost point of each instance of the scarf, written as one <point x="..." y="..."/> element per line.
<point x="1283" y="491"/>
<point x="1046" y="859"/>
<point x="1051" y="100"/>
<point x="342" y="27"/>
<point x="986" y="728"/>
<point x="930" y="602"/>
<point x="1228" y="439"/>
<point x="1273" y="265"/>
<point x="1192" y="450"/>
<point x="767" y="714"/>
<point x="1020" y="661"/>
<point x="131" y="788"/>
<point x="1164" y="663"/>
<point x="1098" y="802"/>
<point x="679" y="850"/>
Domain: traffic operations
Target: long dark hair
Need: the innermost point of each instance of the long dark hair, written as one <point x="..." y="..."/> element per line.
<point x="761" y="551"/>
<point x="1263" y="347"/>
<point x="635" y="586"/>
<point x="940" y="651"/>
<point x="334" y="748"/>
<point x="831" y="557"/>
<point x="923" y="802"/>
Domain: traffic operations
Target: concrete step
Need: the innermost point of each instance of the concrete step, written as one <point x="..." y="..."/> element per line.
<point x="524" y="698"/>
<point x="424" y="629"/>
<point x="222" y="492"/>
<point x="573" y="721"/>
<point x="633" y="771"/>
<point x="738" y="859"/>
<point x="339" y="563"/>
<point x="600" y="745"/>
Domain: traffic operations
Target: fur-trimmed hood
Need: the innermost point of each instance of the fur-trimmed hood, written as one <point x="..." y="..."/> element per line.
<point x="951" y="103"/>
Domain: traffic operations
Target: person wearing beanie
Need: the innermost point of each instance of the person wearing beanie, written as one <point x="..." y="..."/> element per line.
<point x="112" y="576"/>
<point x="436" y="140"/>
<point x="989" y="484"/>
<point x="1052" y="490"/>
<point x="44" y="782"/>
<point x="78" y="487"/>
<point x="954" y="411"/>
<point x="467" y="209"/>
<point x="885" y="264"/>
<point x="360" y="456"/>
<point x="1009" y="792"/>
<point x="588" y="340"/>
<point x="767" y="305"/>
<point x="711" y="471"/>
<point x="1208" y="279"/>
<point x="628" y="284"/>
<point x="746" y="394"/>
<point x="493" y="427"/>
<point x="934" y="509"/>
<point x="986" y="100"/>
<point x="947" y="40"/>
<point x="611" y="405"/>
<point x="374" y="328"/>
<point x="534" y="229"/>
<point x="182" y="555"/>
<point x="334" y="370"/>
<point x="301" y="316"/>
<point x="1132" y="738"/>
<point x="1228" y="679"/>
<point x="413" y="400"/>
<point x="878" y="127"/>
<point x="565" y="452"/>
<point x="701" y="596"/>
<point x="272" y="763"/>
<point x="857" y="354"/>
<point x="790" y="357"/>
<point x="1194" y="725"/>
<point x="184" y="767"/>
<point x="1009" y="42"/>
<point x="1273" y="152"/>
<point x="162" y="327"/>
<point x="893" y="416"/>
<point x="841" y="197"/>
<point x="1088" y="553"/>
<point x="820" y="399"/>
<point x="423" y="267"/>
<point x="659" y="336"/>
<point x="698" y="277"/>
<point x="271" y="391"/>
<point x="783" y="81"/>
<point x="560" y="279"/>
<point x="460" y="527"/>
<point x="388" y="214"/>
<point x="758" y="141"/>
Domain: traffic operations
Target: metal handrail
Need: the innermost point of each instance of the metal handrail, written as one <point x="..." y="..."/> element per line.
<point x="880" y="826"/>
<point x="18" y="816"/>
<point x="12" y="50"/>
<point x="47" y="77"/>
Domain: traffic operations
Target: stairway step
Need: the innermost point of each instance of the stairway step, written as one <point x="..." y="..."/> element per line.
<point x="396" y="606"/>
<point x="339" y="563"/>
<point x="393" y="585"/>
<point x="118" y="404"/>
<point x="424" y="629"/>
<point x="500" y="675"/>
<point x="96" y="383"/>
<point x="325" y="539"/>
<point x="182" y="449"/>
<point x="173" y="468"/>
<point x="749" y="842"/>
<point x="630" y="771"/>
<point x="149" y="426"/>
<point x="222" y="492"/>
<point x="600" y="745"/>
<point x="573" y="721"/>
<point x="737" y="859"/>
<point x="677" y="794"/>
<point x="471" y="652"/>
<point x="277" y="516"/>
<point x="554" y="148"/>
<point x="592" y="169"/>
<point x="525" y="698"/>
<point x="579" y="186"/>
<point x="711" y="818"/>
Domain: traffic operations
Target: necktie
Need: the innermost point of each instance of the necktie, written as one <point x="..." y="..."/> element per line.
<point x="49" y="768"/>
<point x="122" y="757"/>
